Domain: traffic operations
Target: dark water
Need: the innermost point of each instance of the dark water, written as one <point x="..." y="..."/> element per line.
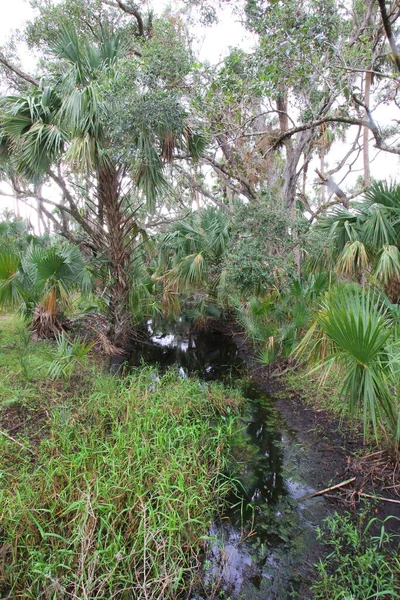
<point x="264" y="547"/>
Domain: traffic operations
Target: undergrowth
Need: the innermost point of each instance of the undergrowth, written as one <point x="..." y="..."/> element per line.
<point x="360" y="566"/>
<point x="118" y="500"/>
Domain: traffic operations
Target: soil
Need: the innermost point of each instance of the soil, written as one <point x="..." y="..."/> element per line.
<point x="23" y="423"/>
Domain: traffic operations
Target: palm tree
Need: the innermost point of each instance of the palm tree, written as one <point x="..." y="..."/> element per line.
<point x="191" y="255"/>
<point x="367" y="237"/>
<point x="354" y="332"/>
<point x="66" y="121"/>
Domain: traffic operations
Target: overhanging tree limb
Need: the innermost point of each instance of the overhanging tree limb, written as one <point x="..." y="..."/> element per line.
<point x="333" y="187"/>
<point x="370" y="124"/>
<point x="4" y="61"/>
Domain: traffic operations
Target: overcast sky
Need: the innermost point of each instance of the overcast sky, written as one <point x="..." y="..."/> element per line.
<point x="214" y="43"/>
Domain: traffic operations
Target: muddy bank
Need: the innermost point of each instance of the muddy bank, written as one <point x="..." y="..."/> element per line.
<point x="335" y="448"/>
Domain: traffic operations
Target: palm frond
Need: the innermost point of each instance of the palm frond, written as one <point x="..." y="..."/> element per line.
<point x="11" y="287"/>
<point x="384" y="194"/>
<point x="149" y="175"/>
<point x="388" y="267"/>
<point x="353" y="259"/>
<point x="358" y="328"/>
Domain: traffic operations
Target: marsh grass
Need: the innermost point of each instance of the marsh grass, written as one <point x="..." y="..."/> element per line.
<point x="119" y="502"/>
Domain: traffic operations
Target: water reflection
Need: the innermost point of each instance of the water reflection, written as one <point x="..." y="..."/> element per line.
<point x="209" y="354"/>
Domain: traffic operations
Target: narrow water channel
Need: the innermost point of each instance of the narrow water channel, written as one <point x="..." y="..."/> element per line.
<point x="264" y="546"/>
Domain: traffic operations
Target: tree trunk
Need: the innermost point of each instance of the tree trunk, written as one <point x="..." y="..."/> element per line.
<point x="367" y="96"/>
<point x="322" y="168"/>
<point x="108" y="190"/>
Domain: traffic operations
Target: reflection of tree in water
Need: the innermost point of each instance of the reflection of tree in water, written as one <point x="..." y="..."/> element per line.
<point x="258" y="452"/>
<point x="268" y="470"/>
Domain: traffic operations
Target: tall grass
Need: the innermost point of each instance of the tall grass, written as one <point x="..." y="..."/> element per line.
<point x="120" y="500"/>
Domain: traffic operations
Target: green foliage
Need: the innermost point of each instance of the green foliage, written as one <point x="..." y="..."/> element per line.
<point x="42" y="277"/>
<point x="191" y="254"/>
<point x="367" y="238"/>
<point x="259" y="258"/>
<point x="358" y="329"/>
<point x="87" y="111"/>
<point x="18" y="362"/>
<point x="16" y="234"/>
<point x="359" y="565"/>
<point x="143" y="302"/>
<point x="11" y="278"/>
<point x="30" y="130"/>
<point x="296" y="40"/>
<point x="276" y="322"/>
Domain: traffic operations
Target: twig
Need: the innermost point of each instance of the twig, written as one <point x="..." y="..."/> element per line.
<point x="16" y="442"/>
<point x="329" y="489"/>
<point x="380" y="498"/>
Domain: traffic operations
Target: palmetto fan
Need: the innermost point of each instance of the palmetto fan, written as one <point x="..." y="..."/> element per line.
<point x="41" y="281"/>
<point x="367" y="239"/>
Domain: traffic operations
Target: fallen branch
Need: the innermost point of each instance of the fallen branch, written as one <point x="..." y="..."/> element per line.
<point x="329" y="489"/>
<point x="380" y="498"/>
<point x="16" y="442"/>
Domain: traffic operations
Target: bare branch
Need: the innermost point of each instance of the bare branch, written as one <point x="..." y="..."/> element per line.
<point x="245" y="188"/>
<point x="370" y="124"/>
<point x="333" y="187"/>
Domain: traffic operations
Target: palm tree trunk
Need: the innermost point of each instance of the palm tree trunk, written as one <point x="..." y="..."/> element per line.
<point x="108" y="190"/>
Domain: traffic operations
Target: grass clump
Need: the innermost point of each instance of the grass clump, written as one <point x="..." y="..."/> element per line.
<point x="360" y="566"/>
<point x="121" y="497"/>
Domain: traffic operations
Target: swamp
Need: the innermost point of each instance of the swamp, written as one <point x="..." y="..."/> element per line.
<point x="199" y="300"/>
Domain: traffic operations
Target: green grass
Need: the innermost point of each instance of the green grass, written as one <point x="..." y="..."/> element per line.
<point x="16" y="356"/>
<point x="126" y="479"/>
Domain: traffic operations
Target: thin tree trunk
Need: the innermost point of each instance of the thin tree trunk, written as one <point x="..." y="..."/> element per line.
<point x="39" y="218"/>
<point x="17" y="208"/>
<point x="322" y="169"/>
<point x="389" y="33"/>
<point x="367" y="98"/>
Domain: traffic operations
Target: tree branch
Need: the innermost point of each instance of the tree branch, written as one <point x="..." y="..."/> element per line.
<point x="333" y="187"/>
<point x="389" y="33"/>
<point x="370" y="124"/>
<point x="133" y="11"/>
<point x="245" y="187"/>
<point x="4" y="61"/>
<point x="73" y="208"/>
